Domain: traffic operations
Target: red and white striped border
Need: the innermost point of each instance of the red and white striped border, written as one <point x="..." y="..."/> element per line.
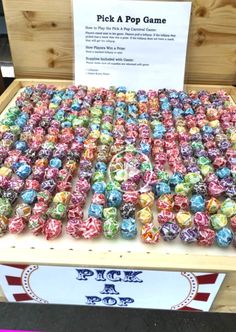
<point x="21" y="278"/>
<point x="197" y="280"/>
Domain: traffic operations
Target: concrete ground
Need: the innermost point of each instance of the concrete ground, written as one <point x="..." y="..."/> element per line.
<point x="61" y="318"/>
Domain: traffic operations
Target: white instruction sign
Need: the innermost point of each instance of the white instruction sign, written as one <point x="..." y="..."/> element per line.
<point x="121" y="288"/>
<point x="137" y="44"/>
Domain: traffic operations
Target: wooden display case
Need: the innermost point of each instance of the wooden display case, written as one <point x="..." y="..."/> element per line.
<point x="41" y="40"/>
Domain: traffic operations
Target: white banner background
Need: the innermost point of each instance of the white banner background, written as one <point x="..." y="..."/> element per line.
<point x="106" y="287"/>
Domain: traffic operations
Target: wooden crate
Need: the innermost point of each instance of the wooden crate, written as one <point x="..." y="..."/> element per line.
<point x="41" y="41"/>
<point x="69" y="252"/>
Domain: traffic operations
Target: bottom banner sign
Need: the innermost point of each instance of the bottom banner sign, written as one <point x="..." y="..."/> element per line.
<point x="110" y="287"/>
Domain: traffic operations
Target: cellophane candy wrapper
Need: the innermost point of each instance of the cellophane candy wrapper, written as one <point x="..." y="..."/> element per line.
<point x="172" y="175"/>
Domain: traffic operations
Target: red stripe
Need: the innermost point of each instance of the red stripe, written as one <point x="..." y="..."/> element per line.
<point x="22" y="297"/>
<point x="207" y="279"/>
<point x="13" y="281"/>
<point x="202" y="297"/>
<point x="189" y="309"/>
<point x="17" y="266"/>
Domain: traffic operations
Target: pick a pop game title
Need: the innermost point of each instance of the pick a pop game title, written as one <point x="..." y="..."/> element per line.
<point x="130" y="19"/>
<point x="109" y="293"/>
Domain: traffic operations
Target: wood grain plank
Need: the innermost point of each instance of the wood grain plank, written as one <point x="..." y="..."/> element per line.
<point x="207" y="87"/>
<point x="225" y="300"/>
<point x="9" y="93"/>
<point x="58" y="83"/>
<point x="41" y="39"/>
<point x="233" y="93"/>
<point x="42" y="30"/>
<point x="109" y="259"/>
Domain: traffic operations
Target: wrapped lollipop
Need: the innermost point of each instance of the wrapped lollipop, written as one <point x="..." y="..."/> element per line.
<point x="111" y="225"/>
<point x="135" y="163"/>
<point x="24" y="168"/>
<point x="62" y="165"/>
<point x="76" y="226"/>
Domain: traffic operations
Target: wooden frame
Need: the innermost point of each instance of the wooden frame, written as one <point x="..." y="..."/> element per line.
<point x="147" y="259"/>
<point x="225" y="300"/>
<point x="41" y="40"/>
<point x="20" y="83"/>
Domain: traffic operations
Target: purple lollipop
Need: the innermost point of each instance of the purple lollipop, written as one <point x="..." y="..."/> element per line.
<point x="45" y="153"/>
<point x="129" y="186"/>
<point x="30" y="126"/>
<point x="85" y="174"/>
<point x="189" y="235"/>
<point x="85" y="165"/>
<point x="207" y="137"/>
<point x="186" y="150"/>
<point x="227" y="182"/>
<point x="196" y="137"/>
<point x="216" y="130"/>
<point x="9" y="135"/>
<point x="231" y="192"/>
<point x="201" y="153"/>
<point x="213" y="153"/>
<point x="169" y="231"/>
<point x="193" y="169"/>
<point x="49" y="185"/>
<point x="224" y="145"/>
<point x="189" y="161"/>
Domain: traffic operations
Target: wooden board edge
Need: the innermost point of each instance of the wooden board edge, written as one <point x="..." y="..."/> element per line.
<point x="30" y="81"/>
<point x="210" y="88"/>
<point x="9" y="93"/>
<point x="22" y="82"/>
<point x="135" y="260"/>
<point x="225" y="300"/>
<point x="18" y="83"/>
<point x="233" y="93"/>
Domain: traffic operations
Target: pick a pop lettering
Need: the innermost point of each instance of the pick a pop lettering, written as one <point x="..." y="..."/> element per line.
<point x="108" y="300"/>
<point x="109" y="294"/>
<point x="111" y="275"/>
